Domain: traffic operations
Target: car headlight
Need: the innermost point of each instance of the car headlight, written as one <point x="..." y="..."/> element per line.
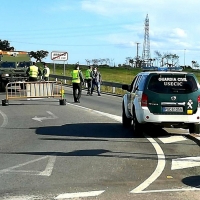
<point x="4" y="75"/>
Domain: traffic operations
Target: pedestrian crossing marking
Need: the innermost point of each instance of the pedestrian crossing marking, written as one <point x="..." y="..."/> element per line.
<point x="182" y="163"/>
<point x="172" y="139"/>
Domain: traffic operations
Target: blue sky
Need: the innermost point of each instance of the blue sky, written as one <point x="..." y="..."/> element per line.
<point x="94" y="29"/>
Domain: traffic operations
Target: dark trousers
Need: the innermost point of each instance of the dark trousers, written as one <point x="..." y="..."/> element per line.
<point x="89" y="85"/>
<point x="77" y="89"/>
<point x="97" y="85"/>
<point x="32" y="79"/>
<point x="46" y="78"/>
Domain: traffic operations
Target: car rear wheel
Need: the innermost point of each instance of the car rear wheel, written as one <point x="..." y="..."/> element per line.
<point x="125" y="120"/>
<point x="194" y="128"/>
<point x="137" y="128"/>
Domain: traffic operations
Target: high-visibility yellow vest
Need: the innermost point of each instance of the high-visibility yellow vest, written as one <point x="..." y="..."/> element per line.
<point x="33" y="71"/>
<point x="87" y="74"/>
<point x="47" y="72"/>
<point x="75" y="76"/>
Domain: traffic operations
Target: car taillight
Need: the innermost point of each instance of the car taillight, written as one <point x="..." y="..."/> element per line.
<point x="198" y="100"/>
<point x="144" y="100"/>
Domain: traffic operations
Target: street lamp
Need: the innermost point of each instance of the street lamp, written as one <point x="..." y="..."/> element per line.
<point x="184" y="57"/>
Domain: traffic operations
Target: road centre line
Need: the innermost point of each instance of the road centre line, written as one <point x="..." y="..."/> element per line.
<point x="5" y="119"/>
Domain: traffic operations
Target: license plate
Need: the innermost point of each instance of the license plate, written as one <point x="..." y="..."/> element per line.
<point x="172" y="109"/>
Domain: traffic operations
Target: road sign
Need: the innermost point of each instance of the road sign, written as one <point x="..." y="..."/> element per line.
<point x="60" y="56"/>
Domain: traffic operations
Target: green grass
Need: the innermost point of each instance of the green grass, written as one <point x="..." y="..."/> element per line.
<point x="111" y="74"/>
<point x="18" y="58"/>
<point x="122" y="75"/>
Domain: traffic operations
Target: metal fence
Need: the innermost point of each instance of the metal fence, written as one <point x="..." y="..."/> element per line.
<point x="37" y="89"/>
<point x="108" y="87"/>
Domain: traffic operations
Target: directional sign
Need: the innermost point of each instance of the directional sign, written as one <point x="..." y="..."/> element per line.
<point x="57" y="55"/>
<point x="40" y="119"/>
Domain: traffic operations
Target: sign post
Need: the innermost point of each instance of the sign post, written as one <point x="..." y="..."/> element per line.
<point x="59" y="56"/>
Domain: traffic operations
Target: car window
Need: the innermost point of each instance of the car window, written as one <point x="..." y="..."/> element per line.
<point x="136" y="83"/>
<point x="172" y="83"/>
<point x="142" y="82"/>
<point x="133" y="82"/>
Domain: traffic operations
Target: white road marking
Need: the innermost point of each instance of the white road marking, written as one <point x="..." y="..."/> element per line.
<point x="159" y="168"/>
<point x="49" y="168"/>
<point x="172" y="190"/>
<point x="52" y="116"/>
<point x="24" y="197"/>
<point x="181" y="163"/>
<point x="47" y="172"/>
<point x="198" y="138"/>
<point x="5" y="119"/>
<point x="172" y="139"/>
<point x="115" y="117"/>
<point x="79" y="194"/>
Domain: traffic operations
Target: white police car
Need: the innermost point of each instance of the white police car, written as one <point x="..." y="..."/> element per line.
<point x="162" y="97"/>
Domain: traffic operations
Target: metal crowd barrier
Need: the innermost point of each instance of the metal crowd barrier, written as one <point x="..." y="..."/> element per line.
<point x="36" y="89"/>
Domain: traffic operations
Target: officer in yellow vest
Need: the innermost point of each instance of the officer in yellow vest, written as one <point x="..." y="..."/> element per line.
<point x="88" y="79"/>
<point x="46" y="72"/>
<point x="77" y="81"/>
<point x="33" y="72"/>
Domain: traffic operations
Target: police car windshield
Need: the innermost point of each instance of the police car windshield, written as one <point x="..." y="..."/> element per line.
<point x="171" y="83"/>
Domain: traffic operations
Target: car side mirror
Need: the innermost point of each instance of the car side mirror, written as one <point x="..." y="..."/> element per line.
<point x="126" y="87"/>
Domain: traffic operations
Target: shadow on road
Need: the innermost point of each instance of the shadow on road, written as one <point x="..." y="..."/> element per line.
<point x="192" y="181"/>
<point x="91" y="130"/>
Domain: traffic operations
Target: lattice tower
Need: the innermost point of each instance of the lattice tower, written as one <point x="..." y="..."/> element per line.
<point x="146" y="45"/>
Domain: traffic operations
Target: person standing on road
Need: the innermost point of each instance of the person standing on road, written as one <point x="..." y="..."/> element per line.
<point x="88" y="78"/>
<point x="33" y="72"/>
<point x="46" y="72"/>
<point x="96" y="81"/>
<point x="77" y="81"/>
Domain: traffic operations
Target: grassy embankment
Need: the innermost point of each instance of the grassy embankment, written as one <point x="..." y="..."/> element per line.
<point x="111" y="74"/>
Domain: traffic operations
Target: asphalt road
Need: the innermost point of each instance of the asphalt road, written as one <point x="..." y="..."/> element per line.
<point x="81" y="151"/>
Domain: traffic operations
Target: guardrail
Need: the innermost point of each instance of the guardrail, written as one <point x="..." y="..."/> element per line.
<point x="113" y="88"/>
<point x="36" y="89"/>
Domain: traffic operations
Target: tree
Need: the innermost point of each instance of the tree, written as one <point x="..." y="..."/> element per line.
<point x="168" y="59"/>
<point x="38" y="55"/>
<point x="5" y="46"/>
<point x="131" y="61"/>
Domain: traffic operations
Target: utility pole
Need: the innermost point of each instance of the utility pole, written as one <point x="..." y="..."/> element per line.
<point x="137" y="43"/>
<point x="184" y="57"/>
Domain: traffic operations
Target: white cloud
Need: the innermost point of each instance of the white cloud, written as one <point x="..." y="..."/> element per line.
<point x="178" y="32"/>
